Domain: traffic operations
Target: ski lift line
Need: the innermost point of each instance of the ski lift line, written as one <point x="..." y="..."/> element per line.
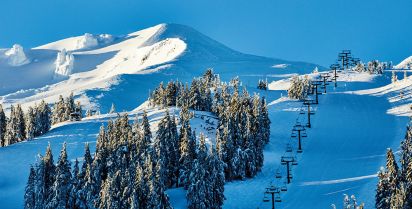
<point x="289" y="149"/>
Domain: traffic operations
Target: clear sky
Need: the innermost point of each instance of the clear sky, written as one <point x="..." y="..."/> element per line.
<point x="305" y="30"/>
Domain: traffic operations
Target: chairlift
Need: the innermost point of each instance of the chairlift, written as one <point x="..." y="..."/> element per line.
<point x="295" y="162"/>
<point x="304" y="135"/>
<point x="294" y="135"/>
<point x="288" y="147"/>
<point x="277" y="199"/>
<point x="284" y="188"/>
<point x="299" y="151"/>
<point x="266" y="198"/>
<point x="278" y="174"/>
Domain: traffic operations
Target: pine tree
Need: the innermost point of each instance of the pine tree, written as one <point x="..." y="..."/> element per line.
<point x="31" y="124"/>
<point x="111" y="193"/>
<point x="392" y="169"/>
<point x="187" y="148"/>
<point x="59" y="111"/>
<point x="49" y="174"/>
<point x="15" y="126"/>
<point x="199" y="189"/>
<point x="30" y="195"/>
<point x="382" y="198"/>
<point x="76" y="186"/>
<point x="216" y="178"/>
<point x="40" y="185"/>
<point x="62" y="186"/>
<point x="43" y="114"/>
<point x="3" y="123"/>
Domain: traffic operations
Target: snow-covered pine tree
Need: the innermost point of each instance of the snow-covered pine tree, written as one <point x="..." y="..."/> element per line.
<point x="216" y="178"/>
<point x="39" y="185"/>
<point x="392" y="172"/>
<point x="75" y="185"/>
<point x="406" y="153"/>
<point x="15" y="126"/>
<point x="31" y="124"/>
<point x="111" y="192"/>
<point x="3" y="123"/>
<point x="43" y="114"/>
<point x="399" y="199"/>
<point x="49" y="175"/>
<point x="156" y="197"/>
<point x="198" y="193"/>
<point x="112" y="109"/>
<point x="29" y="192"/>
<point x="163" y="147"/>
<point x="187" y="147"/>
<point x="59" y="110"/>
<point x="60" y="198"/>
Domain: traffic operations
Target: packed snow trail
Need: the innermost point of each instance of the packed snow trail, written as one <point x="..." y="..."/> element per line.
<point x="343" y="151"/>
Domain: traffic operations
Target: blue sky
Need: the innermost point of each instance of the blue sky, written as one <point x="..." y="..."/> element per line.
<point x="306" y="30"/>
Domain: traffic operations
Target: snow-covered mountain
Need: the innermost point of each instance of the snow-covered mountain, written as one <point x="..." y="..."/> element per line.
<point x="90" y="65"/>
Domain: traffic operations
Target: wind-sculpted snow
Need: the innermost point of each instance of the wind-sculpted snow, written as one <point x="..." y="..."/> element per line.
<point x="15" y="56"/>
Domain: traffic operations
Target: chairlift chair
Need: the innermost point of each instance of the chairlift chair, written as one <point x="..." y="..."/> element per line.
<point x="288" y="147"/>
<point x="278" y="175"/>
<point x="295" y="162"/>
<point x="277" y="199"/>
<point x="284" y="188"/>
<point x="266" y="198"/>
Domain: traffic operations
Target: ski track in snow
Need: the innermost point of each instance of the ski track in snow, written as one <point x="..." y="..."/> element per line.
<point x="337" y="181"/>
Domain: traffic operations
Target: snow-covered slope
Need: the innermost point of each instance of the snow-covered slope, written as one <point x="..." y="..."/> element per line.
<point x="98" y="62"/>
<point x="342" y="153"/>
<point x="404" y="64"/>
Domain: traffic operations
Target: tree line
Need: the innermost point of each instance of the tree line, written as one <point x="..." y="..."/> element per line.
<point x="36" y="121"/>
<point x="243" y="120"/>
<point x="130" y="169"/>
<point x="394" y="189"/>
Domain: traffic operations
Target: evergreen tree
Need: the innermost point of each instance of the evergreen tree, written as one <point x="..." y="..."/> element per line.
<point x="3" y="123"/>
<point x="198" y="193"/>
<point x="31" y="124"/>
<point x="187" y="148"/>
<point x="49" y="174"/>
<point x="382" y="198"/>
<point x="216" y="178"/>
<point x="59" y="111"/>
<point x="15" y="127"/>
<point x="40" y="186"/>
<point x="62" y="186"/>
<point x="111" y="193"/>
<point x="43" y="120"/>
<point x="30" y="195"/>
<point x="392" y="171"/>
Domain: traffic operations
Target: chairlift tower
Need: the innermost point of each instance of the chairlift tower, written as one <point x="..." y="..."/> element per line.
<point x="315" y="85"/>
<point x="299" y="132"/>
<point x="275" y="193"/>
<point x="325" y="77"/>
<point x="288" y="161"/>
<point x="308" y="102"/>
<point x="334" y="68"/>
<point x="344" y="57"/>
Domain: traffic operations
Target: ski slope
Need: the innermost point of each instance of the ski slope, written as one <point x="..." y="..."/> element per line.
<point x="344" y="149"/>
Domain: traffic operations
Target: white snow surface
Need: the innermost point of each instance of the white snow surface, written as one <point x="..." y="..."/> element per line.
<point x="404" y="64"/>
<point x="64" y="64"/>
<point x="122" y="70"/>
<point x="15" y="56"/>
